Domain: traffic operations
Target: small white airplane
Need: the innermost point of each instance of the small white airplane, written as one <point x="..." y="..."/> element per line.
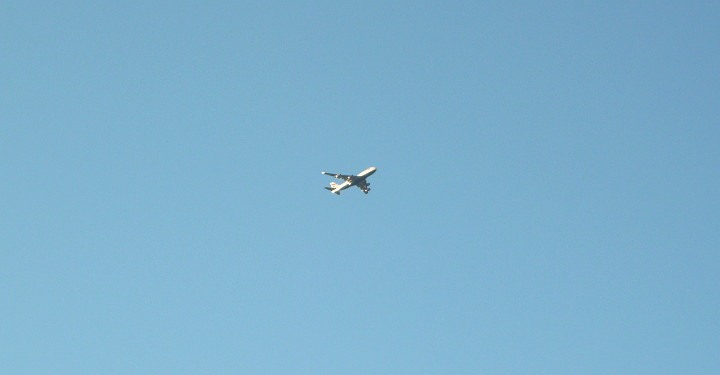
<point x="359" y="181"/>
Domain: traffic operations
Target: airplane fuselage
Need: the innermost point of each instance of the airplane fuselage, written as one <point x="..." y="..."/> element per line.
<point x="361" y="176"/>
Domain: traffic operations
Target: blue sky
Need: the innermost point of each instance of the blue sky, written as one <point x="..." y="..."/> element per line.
<point x="545" y="201"/>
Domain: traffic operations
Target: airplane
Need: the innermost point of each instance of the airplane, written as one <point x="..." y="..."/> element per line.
<point x="359" y="181"/>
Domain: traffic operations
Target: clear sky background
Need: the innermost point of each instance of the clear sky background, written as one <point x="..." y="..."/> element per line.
<point x="546" y="200"/>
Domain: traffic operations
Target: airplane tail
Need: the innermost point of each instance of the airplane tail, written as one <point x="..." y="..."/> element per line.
<point x="332" y="187"/>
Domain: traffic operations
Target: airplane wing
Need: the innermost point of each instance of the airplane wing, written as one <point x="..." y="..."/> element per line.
<point x="363" y="186"/>
<point x="338" y="176"/>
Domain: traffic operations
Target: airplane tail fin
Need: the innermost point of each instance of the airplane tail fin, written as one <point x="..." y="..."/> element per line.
<point x="332" y="187"/>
